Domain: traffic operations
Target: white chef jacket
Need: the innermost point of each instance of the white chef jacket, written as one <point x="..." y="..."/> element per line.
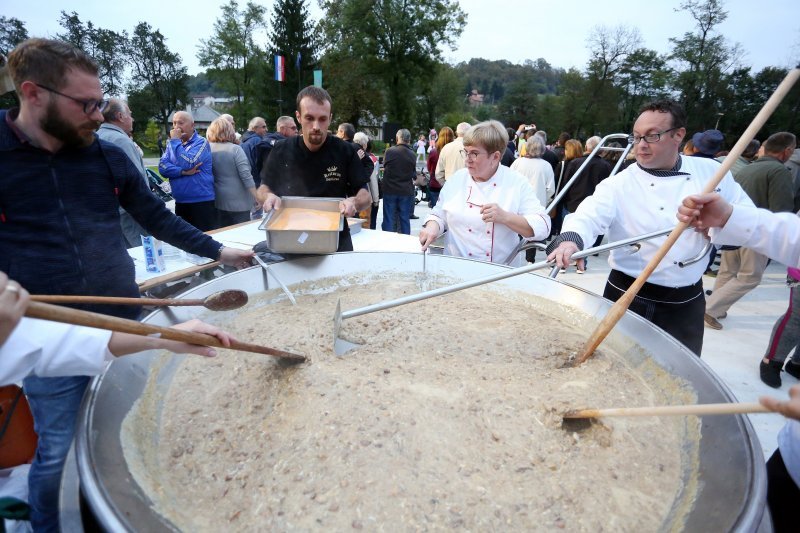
<point x="776" y="235"/>
<point x="51" y="349"/>
<point x="458" y="211"/>
<point x="634" y="202"/>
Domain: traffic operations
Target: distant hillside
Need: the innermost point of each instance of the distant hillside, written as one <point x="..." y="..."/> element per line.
<point x="201" y="84"/>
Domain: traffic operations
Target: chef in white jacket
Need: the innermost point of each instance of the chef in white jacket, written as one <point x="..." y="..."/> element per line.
<point x="486" y="207"/>
<point x="39" y="347"/>
<point x="776" y="235"/>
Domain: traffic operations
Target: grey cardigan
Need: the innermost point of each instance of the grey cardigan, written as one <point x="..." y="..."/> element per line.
<point x="232" y="177"/>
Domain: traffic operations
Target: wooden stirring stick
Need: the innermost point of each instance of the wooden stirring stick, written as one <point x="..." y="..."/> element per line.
<point x="219" y="301"/>
<point x="95" y="320"/>
<point x="698" y="409"/>
<point x="621" y="305"/>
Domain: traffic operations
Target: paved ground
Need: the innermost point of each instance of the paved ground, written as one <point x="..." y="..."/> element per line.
<point x="734" y="352"/>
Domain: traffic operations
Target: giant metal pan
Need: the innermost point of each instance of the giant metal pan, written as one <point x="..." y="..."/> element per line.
<point x="732" y="479"/>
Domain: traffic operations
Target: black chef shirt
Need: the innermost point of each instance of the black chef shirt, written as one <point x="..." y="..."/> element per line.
<point x="333" y="171"/>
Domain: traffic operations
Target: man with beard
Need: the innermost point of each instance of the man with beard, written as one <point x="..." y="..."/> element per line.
<point x="316" y="164"/>
<point x="60" y="193"/>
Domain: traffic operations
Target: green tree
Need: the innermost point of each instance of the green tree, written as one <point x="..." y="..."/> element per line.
<point x="106" y="47"/>
<point x="357" y="94"/>
<point x="158" y="78"/>
<point x="643" y="76"/>
<point x="12" y="32"/>
<point x="232" y="55"/>
<point x="609" y="48"/>
<point x="292" y="37"/>
<point x="439" y="94"/>
<point x="702" y="58"/>
<point x="399" y="41"/>
<point x="519" y="105"/>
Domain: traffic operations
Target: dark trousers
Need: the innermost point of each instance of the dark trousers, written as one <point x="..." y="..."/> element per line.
<point x="433" y="197"/>
<point x="201" y="215"/>
<point x="400" y="206"/>
<point x="229" y="218"/>
<point x="782" y="495"/>
<point x="678" y="311"/>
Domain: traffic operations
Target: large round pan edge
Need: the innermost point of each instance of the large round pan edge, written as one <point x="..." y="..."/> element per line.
<point x="732" y="479"/>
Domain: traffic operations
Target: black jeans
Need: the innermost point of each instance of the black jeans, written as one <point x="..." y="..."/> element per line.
<point x="782" y="495"/>
<point x="201" y="215"/>
<point x="678" y="311"/>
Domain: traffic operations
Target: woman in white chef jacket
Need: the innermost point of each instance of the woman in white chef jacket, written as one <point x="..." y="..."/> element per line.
<point x="485" y="207"/>
<point x="49" y="349"/>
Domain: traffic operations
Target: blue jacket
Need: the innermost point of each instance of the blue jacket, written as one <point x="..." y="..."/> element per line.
<point x="248" y="143"/>
<point x="178" y="156"/>
<point x="59" y="221"/>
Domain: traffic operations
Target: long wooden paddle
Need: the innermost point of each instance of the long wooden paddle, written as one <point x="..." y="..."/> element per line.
<point x="226" y="300"/>
<point x="77" y="317"/>
<point x="621" y="305"/>
<point x="674" y="410"/>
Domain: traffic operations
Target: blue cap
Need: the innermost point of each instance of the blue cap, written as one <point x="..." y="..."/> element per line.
<point x="708" y="142"/>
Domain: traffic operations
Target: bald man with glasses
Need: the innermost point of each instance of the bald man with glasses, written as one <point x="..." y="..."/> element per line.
<point x="644" y="198"/>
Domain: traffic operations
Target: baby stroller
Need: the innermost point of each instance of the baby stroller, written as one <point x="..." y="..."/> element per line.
<point x="421" y="185"/>
<point x="159" y="186"/>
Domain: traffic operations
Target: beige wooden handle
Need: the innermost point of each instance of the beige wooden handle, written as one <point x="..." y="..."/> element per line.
<point x="699" y="409"/>
<point x="621" y="305"/>
<point x="113" y="300"/>
<point x="95" y="320"/>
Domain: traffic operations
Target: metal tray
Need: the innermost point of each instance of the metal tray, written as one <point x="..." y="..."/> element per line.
<point x="303" y="241"/>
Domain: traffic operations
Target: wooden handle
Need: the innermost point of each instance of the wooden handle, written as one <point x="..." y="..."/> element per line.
<point x="95" y="320"/>
<point x="113" y="300"/>
<point x="621" y="305"/>
<point x="700" y="409"/>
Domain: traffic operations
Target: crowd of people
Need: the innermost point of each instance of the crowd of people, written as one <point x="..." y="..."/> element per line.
<point x="74" y="195"/>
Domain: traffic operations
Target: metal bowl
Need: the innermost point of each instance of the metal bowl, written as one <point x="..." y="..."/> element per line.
<point x="731" y="492"/>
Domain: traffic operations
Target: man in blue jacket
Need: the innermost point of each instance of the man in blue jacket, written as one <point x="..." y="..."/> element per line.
<point x="187" y="165"/>
<point x="60" y="193"/>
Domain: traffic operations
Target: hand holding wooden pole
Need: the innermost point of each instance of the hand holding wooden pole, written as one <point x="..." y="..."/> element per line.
<point x="621" y="305"/>
<point x="77" y="317"/>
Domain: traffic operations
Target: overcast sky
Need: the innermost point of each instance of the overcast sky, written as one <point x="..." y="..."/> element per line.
<point x="768" y="31"/>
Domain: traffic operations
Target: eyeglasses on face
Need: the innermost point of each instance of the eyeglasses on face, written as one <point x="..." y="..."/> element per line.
<point x="471" y="155"/>
<point x="649" y="138"/>
<point x="89" y="106"/>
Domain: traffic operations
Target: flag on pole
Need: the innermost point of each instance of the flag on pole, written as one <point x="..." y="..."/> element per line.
<point x="280" y="70"/>
<point x="297" y="62"/>
<point x="317" y="78"/>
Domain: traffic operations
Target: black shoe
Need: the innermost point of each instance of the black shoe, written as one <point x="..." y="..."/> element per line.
<point x="771" y="373"/>
<point x="414" y="217"/>
<point x="793" y="369"/>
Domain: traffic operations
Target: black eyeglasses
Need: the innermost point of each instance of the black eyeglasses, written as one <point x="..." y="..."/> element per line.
<point x="88" y="105"/>
<point x="649" y="138"/>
